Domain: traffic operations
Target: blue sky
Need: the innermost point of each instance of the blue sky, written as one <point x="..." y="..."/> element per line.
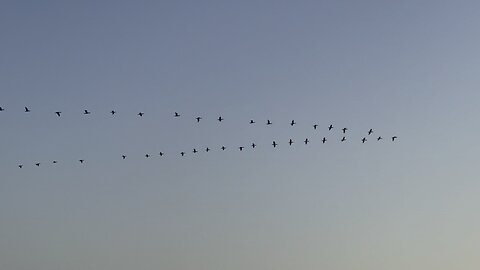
<point x="405" y="68"/>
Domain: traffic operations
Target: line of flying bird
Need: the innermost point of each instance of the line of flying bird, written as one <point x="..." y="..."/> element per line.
<point x="223" y="148"/>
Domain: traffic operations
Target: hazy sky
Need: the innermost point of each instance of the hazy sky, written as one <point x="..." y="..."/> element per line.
<point x="405" y="68"/>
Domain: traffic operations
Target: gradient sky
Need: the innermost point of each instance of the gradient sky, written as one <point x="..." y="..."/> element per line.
<point x="406" y="68"/>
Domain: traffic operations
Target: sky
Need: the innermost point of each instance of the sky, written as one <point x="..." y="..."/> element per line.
<point x="404" y="68"/>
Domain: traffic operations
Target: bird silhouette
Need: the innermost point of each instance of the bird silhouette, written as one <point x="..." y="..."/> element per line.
<point x="140" y="114"/>
<point x="379" y="138"/>
<point x="124" y="157"/>
<point x="58" y="113"/>
<point x="160" y="154"/>
<point x="37" y="164"/>
<point x="54" y="162"/>
<point x="315" y="126"/>
<point x="112" y="112"/>
<point x="207" y="149"/>
<point x="330" y="127"/>
<point x="252" y="122"/>
<point x="20" y="166"/>
<point x="182" y="153"/>
<point x="344" y="139"/>
<point x="194" y="150"/>
<point x="27" y="109"/>
<point x="240" y="148"/>
<point x="223" y="148"/>
<point x="370" y="132"/>
<point x="393" y="138"/>
<point x="147" y="155"/>
<point x="81" y="161"/>
<point x="2" y="109"/>
<point x="364" y="140"/>
<point x="177" y="114"/>
<point x="254" y="145"/>
<point x="324" y="140"/>
<point x="344" y="130"/>
<point x="220" y="119"/>
<point x="292" y="123"/>
<point x="269" y="122"/>
<point x="198" y="119"/>
<point x="306" y="141"/>
<point x="86" y="112"/>
<point x="290" y="142"/>
<point x="274" y="144"/>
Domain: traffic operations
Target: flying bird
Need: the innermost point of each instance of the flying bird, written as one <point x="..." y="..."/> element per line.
<point x="330" y="127"/>
<point x="344" y="130"/>
<point x="20" y="166"/>
<point x="220" y="119"/>
<point x="370" y="132"/>
<point x="124" y="157"/>
<point x="290" y="142"/>
<point x="160" y="154"/>
<point x="147" y="155"/>
<point x="2" y="109"/>
<point x="198" y="119"/>
<point x="177" y="114"/>
<point x="379" y="138"/>
<point x="344" y="139"/>
<point x="140" y="114"/>
<point x="254" y="145"/>
<point x="54" y="162"/>
<point x="37" y="164"/>
<point x="81" y="160"/>
<point x="194" y="150"/>
<point x="113" y="112"/>
<point x="324" y="140"/>
<point x="241" y="148"/>
<point x="306" y="141"/>
<point x="364" y="140"/>
<point x="223" y="148"/>
<point x="27" y="109"/>
<point x="58" y="113"/>
<point x="86" y="112"/>
<point x="252" y="122"/>
<point x="274" y="144"/>
<point x="207" y="149"/>
<point x="269" y="122"/>
<point x="182" y="153"/>
<point x="292" y="123"/>
<point x="315" y="126"/>
<point x="393" y="138"/>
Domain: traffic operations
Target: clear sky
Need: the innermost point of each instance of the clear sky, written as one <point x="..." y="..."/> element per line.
<point x="405" y="68"/>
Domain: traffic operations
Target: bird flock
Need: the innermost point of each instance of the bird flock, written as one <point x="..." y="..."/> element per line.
<point x="198" y="119"/>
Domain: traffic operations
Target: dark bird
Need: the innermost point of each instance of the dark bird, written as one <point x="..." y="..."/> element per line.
<point x="330" y="127"/>
<point x="160" y="154"/>
<point x="274" y="144"/>
<point x="241" y="148"/>
<point x="324" y="140"/>
<point x="182" y="153"/>
<point x="2" y="109"/>
<point x="370" y="132"/>
<point x="223" y="148"/>
<point x="147" y="155"/>
<point x="58" y="113"/>
<point x="81" y="160"/>
<point x="86" y="112"/>
<point x="254" y="145"/>
<point x="195" y="150"/>
<point x="220" y="119"/>
<point x="54" y="162"/>
<point x="37" y="164"/>
<point x="343" y="139"/>
<point x="177" y="114"/>
<point x="292" y="123"/>
<point x="315" y="126"/>
<point x="306" y="141"/>
<point x="379" y="138"/>
<point x="113" y="112"/>
<point x="344" y="130"/>
<point x="198" y="119"/>
<point x="140" y="114"/>
<point x="364" y="140"/>
<point x="27" y="109"/>
<point x="269" y="122"/>
<point x="252" y="122"/>
<point x="393" y="138"/>
<point x="290" y="142"/>
<point x="207" y="149"/>
<point x="20" y="166"/>
<point x="124" y="157"/>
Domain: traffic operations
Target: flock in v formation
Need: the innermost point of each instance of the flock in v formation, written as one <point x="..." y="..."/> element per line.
<point x="223" y="148"/>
